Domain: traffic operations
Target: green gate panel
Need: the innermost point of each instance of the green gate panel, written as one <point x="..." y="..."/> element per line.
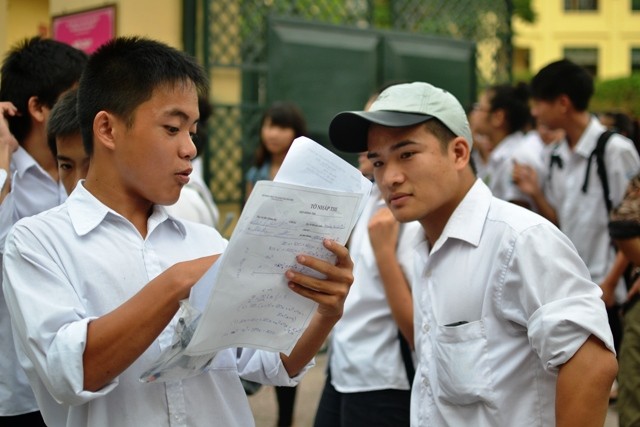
<point x="323" y="69"/>
<point x="326" y="69"/>
<point x="446" y="63"/>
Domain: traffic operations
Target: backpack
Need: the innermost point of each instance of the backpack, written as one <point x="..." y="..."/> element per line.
<point x="598" y="153"/>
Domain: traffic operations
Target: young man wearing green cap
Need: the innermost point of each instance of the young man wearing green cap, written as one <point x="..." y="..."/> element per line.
<point x="509" y="329"/>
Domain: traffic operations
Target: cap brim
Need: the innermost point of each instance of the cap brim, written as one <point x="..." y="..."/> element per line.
<point x="348" y="130"/>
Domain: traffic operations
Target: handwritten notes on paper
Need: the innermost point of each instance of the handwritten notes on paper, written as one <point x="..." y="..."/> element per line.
<point x="250" y="304"/>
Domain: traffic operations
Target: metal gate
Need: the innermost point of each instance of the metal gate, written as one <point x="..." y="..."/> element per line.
<point x="230" y="37"/>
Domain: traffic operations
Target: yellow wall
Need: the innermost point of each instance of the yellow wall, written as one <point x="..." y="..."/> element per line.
<point x="158" y="19"/>
<point x="614" y="30"/>
<point x="20" y="19"/>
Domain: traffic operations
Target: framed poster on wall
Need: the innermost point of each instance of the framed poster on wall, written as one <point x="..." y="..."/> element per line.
<point x="87" y="29"/>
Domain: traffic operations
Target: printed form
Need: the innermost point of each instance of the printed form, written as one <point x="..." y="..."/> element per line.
<point x="315" y="195"/>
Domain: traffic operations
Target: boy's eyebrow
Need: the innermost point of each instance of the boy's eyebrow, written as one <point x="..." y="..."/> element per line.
<point x="394" y="147"/>
<point x="176" y="112"/>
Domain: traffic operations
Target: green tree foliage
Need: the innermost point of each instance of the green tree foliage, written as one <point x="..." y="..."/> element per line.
<point x="523" y="10"/>
<point x="619" y="94"/>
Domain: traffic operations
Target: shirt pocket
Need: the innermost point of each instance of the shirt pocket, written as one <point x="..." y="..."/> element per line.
<point x="464" y="375"/>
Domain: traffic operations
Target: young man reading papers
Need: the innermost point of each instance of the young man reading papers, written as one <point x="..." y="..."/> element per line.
<point x="94" y="284"/>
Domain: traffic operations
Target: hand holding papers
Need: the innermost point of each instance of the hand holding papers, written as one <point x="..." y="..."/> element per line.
<point x="315" y="195"/>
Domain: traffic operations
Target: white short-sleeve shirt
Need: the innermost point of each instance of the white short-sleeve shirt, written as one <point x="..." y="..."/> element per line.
<point x="32" y="191"/>
<point x="583" y="216"/>
<point x="501" y="300"/>
<point x="365" y="350"/>
<point x="81" y="260"/>
<point x="515" y="147"/>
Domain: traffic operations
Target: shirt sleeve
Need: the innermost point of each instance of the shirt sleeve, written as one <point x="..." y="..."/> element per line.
<point x="48" y="318"/>
<point x="8" y="217"/>
<point x="266" y="367"/>
<point x="548" y="290"/>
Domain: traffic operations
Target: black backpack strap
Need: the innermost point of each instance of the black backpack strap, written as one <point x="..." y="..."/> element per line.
<point x="598" y="153"/>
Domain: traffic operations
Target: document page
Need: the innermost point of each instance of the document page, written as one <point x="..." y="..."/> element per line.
<point x="250" y="304"/>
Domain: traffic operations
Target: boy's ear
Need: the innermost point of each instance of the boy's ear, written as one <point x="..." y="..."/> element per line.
<point x="461" y="151"/>
<point x="564" y="102"/>
<point x="37" y="109"/>
<point x="104" y="130"/>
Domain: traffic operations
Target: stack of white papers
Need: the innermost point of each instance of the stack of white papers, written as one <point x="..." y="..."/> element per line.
<point x="316" y="195"/>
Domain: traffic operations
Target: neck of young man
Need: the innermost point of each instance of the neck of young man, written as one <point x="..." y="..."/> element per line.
<point x="36" y="145"/>
<point x="576" y="126"/>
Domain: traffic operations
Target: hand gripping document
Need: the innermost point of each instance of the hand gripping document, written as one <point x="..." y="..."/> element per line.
<point x="316" y="195"/>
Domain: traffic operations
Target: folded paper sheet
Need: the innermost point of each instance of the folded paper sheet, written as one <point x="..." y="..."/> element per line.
<point x="250" y="304"/>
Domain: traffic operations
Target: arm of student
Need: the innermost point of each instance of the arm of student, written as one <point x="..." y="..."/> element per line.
<point x="610" y="281"/>
<point x="8" y="145"/>
<point x="330" y="293"/>
<point x="526" y="178"/>
<point x="383" y="235"/>
<point x="117" y="339"/>
<point x="584" y="383"/>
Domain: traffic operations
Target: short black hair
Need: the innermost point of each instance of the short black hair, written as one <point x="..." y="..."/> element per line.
<point x="63" y="120"/>
<point x="563" y="77"/>
<point x="514" y="101"/>
<point x="38" y="67"/>
<point x="124" y="72"/>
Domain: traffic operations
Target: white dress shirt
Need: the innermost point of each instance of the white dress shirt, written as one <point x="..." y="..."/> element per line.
<point x="32" y="191"/>
<point x="81" y="260"/>
<point x="503" y="301"/>
<point x="365" y="350"/>
<point x="583" y="216"/>
<point x="515" y="147"/>
<point x="194" y="205"/>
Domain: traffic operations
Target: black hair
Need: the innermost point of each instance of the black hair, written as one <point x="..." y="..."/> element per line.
<point x="63" y="120"/>
<point x="563" y="77"/>
<point x="444" y="135"/>
<point x="201" y="137"/>
<point x="622" y="123"/>
<point x="441" y="131"/>
<point x="285" y="114"/>
<point x="38" y="67"/>
<point x="124" y="72"/>
<point x="514" y="101"/>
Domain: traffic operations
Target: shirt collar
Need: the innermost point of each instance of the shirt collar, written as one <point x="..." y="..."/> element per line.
<point x="21" y="161"/>
<point x="589" y="138"/>
<point x="87" y="212"/>
<point x="468" y="219"/>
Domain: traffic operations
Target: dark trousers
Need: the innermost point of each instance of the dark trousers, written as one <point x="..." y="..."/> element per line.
<point x="380" y="408"/>
<point x="25" y="420"/>
<point x="286" y="397"/>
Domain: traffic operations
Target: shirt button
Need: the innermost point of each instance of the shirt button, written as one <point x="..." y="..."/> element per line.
<point x="425" y="381"/>
<point x="425" y="327"/>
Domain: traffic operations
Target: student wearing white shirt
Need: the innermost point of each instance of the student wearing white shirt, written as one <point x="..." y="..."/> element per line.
<point x="509" y="329"/>
<point x="94" y="285"/>
<point x="367" y="381"/>
<point x="34" y="74"/>
<point x="502" y="116"/>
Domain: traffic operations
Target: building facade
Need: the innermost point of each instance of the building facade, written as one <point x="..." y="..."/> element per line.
<point x="601" y="35"/>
